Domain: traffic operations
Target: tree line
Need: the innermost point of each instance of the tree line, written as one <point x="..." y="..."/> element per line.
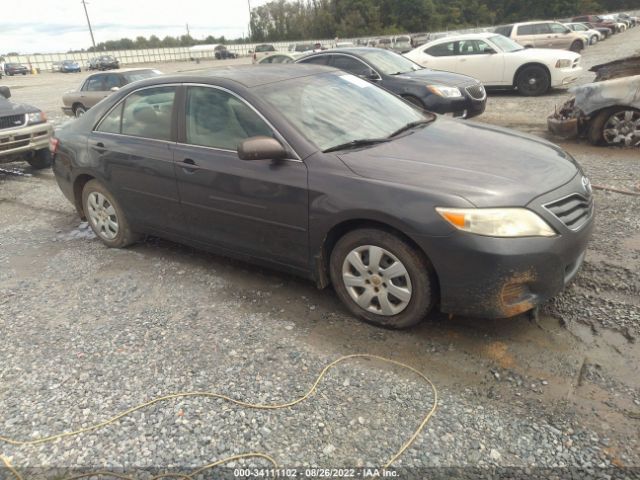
<point x="309" y="19"/>
<point x="155" y="42"/>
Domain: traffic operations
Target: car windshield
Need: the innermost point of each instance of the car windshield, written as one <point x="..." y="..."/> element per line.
<point x="390" y="63"/>
<point x="140" y="75"/>
<point x="506" y="44"/>
<point x="68" y="62"/>
<point x="333" y="109"/>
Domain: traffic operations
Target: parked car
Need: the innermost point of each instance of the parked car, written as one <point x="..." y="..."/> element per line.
<point x="440" y="92"/>
<point x="24" y="133"/>
<point x="621" y="24"/>
<point x="12" y="69"/>
<point x="402" y="44"/>
<point x="100" y="85"/>
<point x="626" y="16"/>
<point x="221" y="53"/>
<point x="279" y="58"/>
<point x="103" y="62"/>
<point x="606" y="111"/>
<point x="498" y="61"/>
<point x="319" y="173"/>
<point x="262" y="51"/>
<point x="300" y="48"/>
<point x="593" y="36"/>
<point x="69" y="66"/>
<point x="597" y="21"/>
<point x="543" y="35"/>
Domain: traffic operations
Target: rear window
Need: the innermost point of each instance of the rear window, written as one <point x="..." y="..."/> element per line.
<point x="140" y="75"/>
<point x="265" y="48"/>
<point x="505" y="30"/>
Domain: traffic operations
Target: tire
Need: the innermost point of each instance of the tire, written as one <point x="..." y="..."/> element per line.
<point x="533" y="80"/>
<point x="615" y="126"/>
<point x="414" y="284"/>
<point x="79" y="110"/>
<point x="40" y="159"/>
<point x="102" y="212"/>
<point x="414" y="101"/>
<point x="594" y="39"/>
<point x="577" y="46"/>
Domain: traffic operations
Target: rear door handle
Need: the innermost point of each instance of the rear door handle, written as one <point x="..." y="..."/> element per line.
<point x="189" y="161"/>
<point x="99" y="147"/>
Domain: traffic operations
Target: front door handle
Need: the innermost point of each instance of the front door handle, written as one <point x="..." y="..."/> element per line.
<point x="189" y="161"/>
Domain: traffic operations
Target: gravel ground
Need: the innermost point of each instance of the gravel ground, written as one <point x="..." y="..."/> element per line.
<point x="88" y="332"/>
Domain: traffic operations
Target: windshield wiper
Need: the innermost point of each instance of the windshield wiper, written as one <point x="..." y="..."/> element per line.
<point x="363" y="142"/>
<point x="412" y="125"/>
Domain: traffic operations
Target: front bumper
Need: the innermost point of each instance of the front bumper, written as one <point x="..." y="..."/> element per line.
<point x="502" y="277"/>
<point x="459" y="107"/>
<point x="16" y="142"/>
<point x="561" y="77"/>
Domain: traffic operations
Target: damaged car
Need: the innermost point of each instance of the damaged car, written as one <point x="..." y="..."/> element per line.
<point x="606" y="111"/>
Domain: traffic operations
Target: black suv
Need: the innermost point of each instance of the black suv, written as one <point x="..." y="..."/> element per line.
<point x="105" y="62"/>
<point x="24" y="133"/>
<point x="221" y="53"/>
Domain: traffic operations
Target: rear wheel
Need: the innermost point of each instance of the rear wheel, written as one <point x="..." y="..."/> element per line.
<point x="106" y="218"/>
<point x="40" y="159"/>
<point x="576" y="46"/>
<point x="616" y="126"/>
<point x="382" y="279"/>
<point x="533" y="81"/>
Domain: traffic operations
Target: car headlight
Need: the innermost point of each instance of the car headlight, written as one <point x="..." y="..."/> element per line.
<point x="36" y="117"/>
<point x="444" y="91"/>
<point x="563" y="63"/>
<point x="497" y="222"/>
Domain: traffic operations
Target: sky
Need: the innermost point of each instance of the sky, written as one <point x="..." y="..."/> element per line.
<point x="50" y="26"/>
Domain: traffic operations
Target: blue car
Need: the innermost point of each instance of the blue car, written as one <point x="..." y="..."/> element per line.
<point x="69" y="66"/>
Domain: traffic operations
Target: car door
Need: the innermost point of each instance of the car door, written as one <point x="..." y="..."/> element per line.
<point x="560" y="36"/>
<point x="93" y="90"/>
<point x="479" y="60"/>
<point x="543" y="36"/>
<point x="133" y="146"/>
<point x="257" y="208"/>
<point x="441" y="56"/>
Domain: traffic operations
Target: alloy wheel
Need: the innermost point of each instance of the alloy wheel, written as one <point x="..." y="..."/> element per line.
<point x="102" y="216"/>
<point x="623" y="127"/>
<point x="376" y="280"/>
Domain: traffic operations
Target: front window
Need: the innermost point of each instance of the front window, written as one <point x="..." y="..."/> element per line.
<point x="390" y="63"/>
<point x="505" y="44"/>
<point x="351" y="65"/>
<point x="147" y="113"/>
<point x="557" y="28"/>
<point x="331" y="109"/>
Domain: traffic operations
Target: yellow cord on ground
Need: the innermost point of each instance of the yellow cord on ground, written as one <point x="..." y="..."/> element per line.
<point x="257" y="406"/>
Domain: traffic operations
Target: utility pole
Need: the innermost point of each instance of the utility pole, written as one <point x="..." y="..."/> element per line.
<point x="84" y="4"/>
<point x="249" y="29"/>
<point x="188" y="33"/>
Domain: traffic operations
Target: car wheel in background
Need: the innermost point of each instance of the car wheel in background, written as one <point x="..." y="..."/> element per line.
<point x="79" y="110"/>
<point x="576" y="46"/>
<point x="382" y="279"/>
<point x="106" y="218"/>
<point x="533" y="80"/>
<point x="40" y="159"/>
<point x="594" y="40"/>
<point x="616" y="126"/>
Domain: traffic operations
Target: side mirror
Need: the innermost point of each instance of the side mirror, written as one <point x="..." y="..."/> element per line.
<point x="373" y="76"/>
<point x="261" y="148"/>
<point x="114" y="89"/>
<point x="5" y="92"/>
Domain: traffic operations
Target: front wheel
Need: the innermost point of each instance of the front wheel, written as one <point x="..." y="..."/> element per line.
<point x="106" y="218"/>
<point x="382" y="279"/>
<point x="40" y="159"/>
<point x="594" y="39"/>
<point x="616" y="126"/>
<point x="533" y="81"/>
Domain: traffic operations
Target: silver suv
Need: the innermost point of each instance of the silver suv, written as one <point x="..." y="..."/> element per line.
<point x="543" y="35"/>
<point x="24" y="133"/>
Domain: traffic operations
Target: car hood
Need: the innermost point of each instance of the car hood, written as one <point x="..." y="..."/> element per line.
<point x="11" y="108"/>
<point x="488" y="166"/>
<point x="545" y="54"/>
<point x="438" y="77"/>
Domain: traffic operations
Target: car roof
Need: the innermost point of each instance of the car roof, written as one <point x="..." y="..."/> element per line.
<point x="348" y="50"/>
<point x="535" y="22"/>
<point x="464" y="36"/>
<point x="122" y="70"/>
<point x="248" y="75"/>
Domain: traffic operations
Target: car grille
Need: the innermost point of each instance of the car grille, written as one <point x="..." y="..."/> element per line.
<point x="573" y="211"/>
<point x="12" y="121"/>
<point x="477" y="92"/>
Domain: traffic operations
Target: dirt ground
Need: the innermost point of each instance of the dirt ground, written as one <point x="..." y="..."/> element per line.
<point x="88" y="328"/>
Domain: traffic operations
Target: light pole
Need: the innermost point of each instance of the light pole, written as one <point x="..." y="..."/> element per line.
<point x="89" y="23"/>
<point x="249" y="30"/>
